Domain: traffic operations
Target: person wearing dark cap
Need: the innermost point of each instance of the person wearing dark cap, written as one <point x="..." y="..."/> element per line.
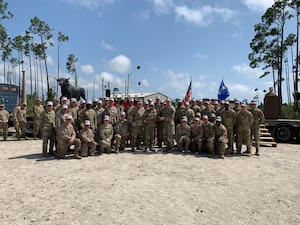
<point x="149" y="118"/>
<point x="208" y="109"/>
<point x="208" y="135"/>
<point x="48" y="129"/>
<point x="228" y="119"/>
<point x="258" y="118"/>
<point x="90" y="115"/>
<point x="21" y="116"/>
<point x="167" y="117"/>
<point x="37" y="109"/>
<point x="4" y="116"/>
<point x="220" y="137"/>
<point x="244" y="121"/>
<point x="135" y="120"/>
<point x="182" y="135"/>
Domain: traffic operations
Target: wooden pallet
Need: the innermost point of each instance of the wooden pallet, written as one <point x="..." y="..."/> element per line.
<point x="266" y="138"/>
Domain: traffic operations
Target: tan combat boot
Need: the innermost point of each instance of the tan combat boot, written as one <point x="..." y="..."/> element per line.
<point x="76" y="156"/>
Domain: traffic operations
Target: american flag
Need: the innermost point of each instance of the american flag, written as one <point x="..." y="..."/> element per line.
<point x="188" y="94"/>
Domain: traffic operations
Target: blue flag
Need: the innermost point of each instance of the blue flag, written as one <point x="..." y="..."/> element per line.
<point x="223" y="91"/>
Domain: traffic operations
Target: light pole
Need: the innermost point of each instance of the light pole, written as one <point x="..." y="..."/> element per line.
<point x="128" y="77"/>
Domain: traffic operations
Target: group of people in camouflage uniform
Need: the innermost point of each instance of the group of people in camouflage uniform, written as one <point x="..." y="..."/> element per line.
<point x="196" y="126"/>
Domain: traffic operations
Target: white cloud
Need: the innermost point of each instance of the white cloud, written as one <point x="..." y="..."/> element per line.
<point x="178" y="82"/>
<point x="120" y="64"/>
<point x="200" y="56"/>
<point x="144" y="82"/>
<point x="90" y="4"/>
<point x="245" y="70"/>
<point x="258" y="5"/>
<point x="202" y="16"/>
<point x="162" y="6"/>
<point x="107" y="46"/>
<point x="88" y="69"/>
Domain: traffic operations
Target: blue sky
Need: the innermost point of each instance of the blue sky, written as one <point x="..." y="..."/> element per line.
<point x="172" y="40"/>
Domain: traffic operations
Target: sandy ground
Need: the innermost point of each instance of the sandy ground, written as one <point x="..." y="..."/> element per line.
<point x="154" y="188"/>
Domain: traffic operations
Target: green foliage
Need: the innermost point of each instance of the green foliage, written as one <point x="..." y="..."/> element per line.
<point x="51" y="95"/>
<point x="287" y="112"/>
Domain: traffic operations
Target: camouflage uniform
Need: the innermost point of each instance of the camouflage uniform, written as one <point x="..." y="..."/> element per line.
<point x="137" y="126"/>
<point x="228" y="119"/>
<point x="149" y="118"/>
<point x="121" y="134"/>
<point x="113" y="113"/>
<point x="48" y="130"/>
<point x="167" y="116"/>
<point x="189" y="113"/>
<point x="65" y="134"/>
<point x="196" y="137"/>
<point x="195" y="107"/>
<point x="89" y="114"/>
<point x="244" y="121"/>
<point x="220" y="138"/>
<point x="159" y="125"/>
<point x="88" y="144"/>
<point x="37" y="110"/>
<point x="208" y="136"/>
<point x="106" y="133"/>
<point x="182" y="136"/>
<point x="16" y="122"/>
<point x="4" y="116"/>
<point x="258" y="118"/>
<point x="21" y="116"/>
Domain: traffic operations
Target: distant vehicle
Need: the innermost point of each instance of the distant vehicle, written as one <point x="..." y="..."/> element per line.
<point x="9" y="96"/>
<point x="283" y="130"/>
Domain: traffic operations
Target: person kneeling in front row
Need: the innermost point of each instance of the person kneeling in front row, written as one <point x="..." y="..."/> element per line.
<point x="88" y="144"/>
<point x="66" y="137"/>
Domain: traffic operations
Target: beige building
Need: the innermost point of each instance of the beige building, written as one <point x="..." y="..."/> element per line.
<point x="142" y="96"/>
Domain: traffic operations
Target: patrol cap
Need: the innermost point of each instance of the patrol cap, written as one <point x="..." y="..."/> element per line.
<point x="216" y="102"/>
<point x="95" y="100"/>
<point x="236" y="102"/>
<point x="253" y="102"/>
<point x="64" y="98"/>
<point x="64" y="106"/>
<point x="168" y="99"/>
<point x="123" y="113"/>
<point x="38" y="100"/>
<point x="206" y="102"/>
<point x="196" y="119"/>
<point x="199" y="100"/>
<point x="99" y="102"/>
<point x="218" y="118"/>
<point x="243" y="104"/>
<point x="205" y="117"/>
<point x="149" y="100"/>
<point x="24" y="103"/>
<point x="87" y="123"/>
<point x="164" y="102"/>
<point x="146" y="103"/>
<point x="88" y="102"/>
<point x="106" y="117"/>
<point x="157" y="97"/>
<point x="111" y="99"/>
<point x="131" y="100"/>
<point x="184" y="118"/>
<point x="222" y="101"/>
<point x="73" y="100"/>
<point x="1" y="105"/>
<point x="151" y="103"/>
<point x="198" y="114"/>
<point x="212" y="115"/>
<point x="68" y="117"/>
<point x="49" y="103"/>
<point x="83" y="102"/>
<point x="179" y="100"/>
<point x="227" y="103"/>
<point x="186" y="103"/>
<point x="193" y="100"/>
<point x="106" y="99"/>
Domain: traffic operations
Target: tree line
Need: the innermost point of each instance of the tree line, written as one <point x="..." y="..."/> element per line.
<point x="33" y="45"/>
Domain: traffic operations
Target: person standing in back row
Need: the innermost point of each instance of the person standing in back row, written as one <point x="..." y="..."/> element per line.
<point x="244" y="121"/>
<point x="38" y="108"/>
<point x="4" y="115"/>
<point x="258" y="118"/>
